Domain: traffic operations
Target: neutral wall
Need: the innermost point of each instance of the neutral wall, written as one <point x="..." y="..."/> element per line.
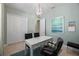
<point x="71" y="13"/>
<point x="5" y="25"/>
<point x="1" y="39"/>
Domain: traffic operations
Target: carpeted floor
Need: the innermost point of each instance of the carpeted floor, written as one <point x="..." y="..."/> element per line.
<point x="36" y="52"/>
<point x="17" y="49"/>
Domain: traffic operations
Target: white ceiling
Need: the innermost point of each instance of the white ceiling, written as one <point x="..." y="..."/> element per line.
<point x="28" y="6"/>
<point x="31" y="7"/>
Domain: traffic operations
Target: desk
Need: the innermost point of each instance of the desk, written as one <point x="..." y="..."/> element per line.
<point x="37" y="42"/>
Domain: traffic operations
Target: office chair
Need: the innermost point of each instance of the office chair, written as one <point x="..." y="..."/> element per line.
<point x="52" y="51"/>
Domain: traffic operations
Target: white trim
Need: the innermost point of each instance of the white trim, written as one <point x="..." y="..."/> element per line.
<point x="12" y="43"/>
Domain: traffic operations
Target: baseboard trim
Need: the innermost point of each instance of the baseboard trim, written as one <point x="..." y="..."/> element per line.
<point x="12" y="43"/>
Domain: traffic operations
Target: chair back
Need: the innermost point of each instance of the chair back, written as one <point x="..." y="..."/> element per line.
<point x="28" y="35"/>
<point x="59" y="44"/>
<point x="36" y="35"/>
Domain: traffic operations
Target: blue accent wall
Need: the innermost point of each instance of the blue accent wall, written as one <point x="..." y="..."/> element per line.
<point x="71" y="13"/>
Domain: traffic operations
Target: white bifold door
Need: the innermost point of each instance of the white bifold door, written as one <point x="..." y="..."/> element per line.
<point x="42" y="27"/>
<point x="17" y="26"/>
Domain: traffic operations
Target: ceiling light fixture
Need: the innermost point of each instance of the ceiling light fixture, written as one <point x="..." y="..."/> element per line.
<point x="38" y="10"/>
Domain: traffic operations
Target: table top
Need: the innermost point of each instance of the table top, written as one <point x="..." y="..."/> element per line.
<point x="36" y="40"/>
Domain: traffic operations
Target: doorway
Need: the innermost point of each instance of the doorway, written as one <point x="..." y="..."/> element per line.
<point x="41" y="27"/>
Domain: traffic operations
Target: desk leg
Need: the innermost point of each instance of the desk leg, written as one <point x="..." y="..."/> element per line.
<point x="31" y="51"/>
<point x="25" y="50"/>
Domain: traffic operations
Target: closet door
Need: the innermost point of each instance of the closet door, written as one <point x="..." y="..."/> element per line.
<point x="17" y="26"/>
<point x="42" y="27"/>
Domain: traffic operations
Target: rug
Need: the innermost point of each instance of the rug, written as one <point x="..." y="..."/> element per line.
<point x="36" y="52"/>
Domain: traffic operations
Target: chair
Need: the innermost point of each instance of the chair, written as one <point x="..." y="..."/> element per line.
<point x="74" y="45"/>
<point x="52" y="51"/>
<point x="28" y="36"/>
<point x="36" y="35"/>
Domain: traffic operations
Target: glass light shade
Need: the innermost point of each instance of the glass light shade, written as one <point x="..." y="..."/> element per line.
<point x="38" y="11"/>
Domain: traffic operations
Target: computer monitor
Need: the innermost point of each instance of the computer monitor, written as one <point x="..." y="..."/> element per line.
<point x="28" y="35"/>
